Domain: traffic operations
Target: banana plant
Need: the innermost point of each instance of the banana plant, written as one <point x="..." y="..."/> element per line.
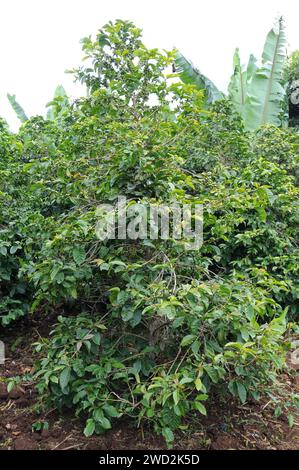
<point x="17" y="108"/>
<point x="240" y="80"/>
<point x="266" y="94"/>
<point x="58" y="104"/>
<point x="191" y="75"/>
<point x="257" y="92"/>
<point x="60" y="101"/>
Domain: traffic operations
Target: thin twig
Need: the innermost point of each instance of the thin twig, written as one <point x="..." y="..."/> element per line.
<point x="58" y="445"/>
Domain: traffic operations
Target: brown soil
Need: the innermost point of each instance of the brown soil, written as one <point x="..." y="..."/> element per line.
<point x="227" y="426"/>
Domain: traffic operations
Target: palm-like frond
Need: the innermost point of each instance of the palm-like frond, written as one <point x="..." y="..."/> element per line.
<point x="238" y="83"/>
<point x="251" y="68"/>
<point x="17" y="108"/>
<point x="265" y="94"/>
<point x="59" y="103"/>
<point x="191" y="75"/>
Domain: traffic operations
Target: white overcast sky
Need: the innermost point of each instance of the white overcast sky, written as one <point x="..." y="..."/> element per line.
<point x="40" y="38"/>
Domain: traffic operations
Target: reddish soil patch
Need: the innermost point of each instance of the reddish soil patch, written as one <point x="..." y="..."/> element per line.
<point x="227" y="426"/>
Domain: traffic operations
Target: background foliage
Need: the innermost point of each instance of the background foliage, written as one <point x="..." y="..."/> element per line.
<point x="258" y="92"/>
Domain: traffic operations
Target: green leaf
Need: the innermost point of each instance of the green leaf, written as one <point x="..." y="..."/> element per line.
<point x="242" y="392"/>
<point x="176" y="397"/>
<point x="111" y="411"/>
<point x="150" y="412"/>
<point x="58" y="104"/>
<point x="101" y="419"/>
<point x="265" y="93"/>
<point x="3" y="250"/>
<point x="251" y="68"/>
<point x="17" y="108"/>
<point x="291" y="420"/>
<point x="237" y="85"/>
<point x="105" y="423"/>
<point x="167" y="310"/>
<point x="168" y="435"/>
<point x="188" y="339"/>
<point x="186" y="380"/>
<point x="200" y="407"/>
<point x="202" y="397"/>
<point x="79" y="255"/>
<point x="89" y="428"/>
<point x="192" y="76"/>
<point x="65" y="377"/>
<point x="10" y="386"/>
<point x="244" y="333"/>
<point x="114" y="291"/>
<point x="96" y="339"/>
<point x="198" y="384"/>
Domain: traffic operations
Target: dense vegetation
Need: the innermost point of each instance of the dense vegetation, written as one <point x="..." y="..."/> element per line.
<point x="150" y="330"/>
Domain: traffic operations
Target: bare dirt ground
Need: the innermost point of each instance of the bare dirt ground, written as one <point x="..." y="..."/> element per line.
<point x="227" y="426"/>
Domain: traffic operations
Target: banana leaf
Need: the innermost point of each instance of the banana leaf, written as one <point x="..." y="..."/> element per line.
<point x="265" y="93"/>
<point x="191" y="75"/>
<point x="241" y="78"/>
<point x="237" y="85"/>
<point x="17" y="108"/>
<point x="59" y="103"/>
<point x="251" y="68"/>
